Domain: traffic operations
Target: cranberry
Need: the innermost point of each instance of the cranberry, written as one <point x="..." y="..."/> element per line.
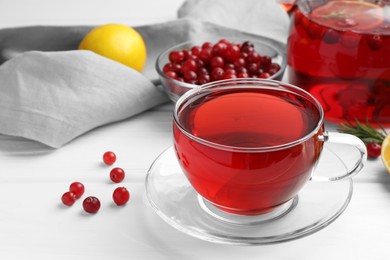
<point x="225" y="41"/>
<point x="207" y="45"/>
<point x="247" y="44"/>
<point x="314" y="31"/>
<point x="253" y="57"/>
<point x="275" y="66"/>
<point x="375" y="42"/>
<point x="91" y="204"/>
<point x="373" y="150"/>
<point x="253" y="68"/>
<point x="205" y="55"/>
<point x="171" y="74"/>
<point x="109" y="158"/>
<point x="331" y="37"/>
<point x="176" y="67"/>
<point x="243" y="75"/>
<point x="187" y="54"/>
<point x="117" y="174"/>
<point x="229" y="76"/>
<point x="121" y="196"/>
<point x="247" y="49"/>
<point x="77" y="188"/>
<point x="264" y="75"/>
<point x="218" y="49"/>
<point x="203" y="79"/>
<point x="231" y="53"/>
<point x="217" y="62"/>
<point x="176" y="56"/>
<point x="239" y="63"/>
<point x="196" y="50"/>
<point x="242" y="70"/>
<point x="189" y="75"/>
<point x="189" y="64"/>
<point x="167" y="67"/>
<point x="68" y="198"/>
<point x="265" y="61"/>
<point x="217" y="73"/>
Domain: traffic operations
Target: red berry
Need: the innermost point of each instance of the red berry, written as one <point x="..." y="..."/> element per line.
<point x="109" y="158"/>
<point x="205" y="55"/>
<point x="239" y="63"/>
<point x="91" y="204"/>
<point x="196" y="50"/>
<point x="253" y="57"/>
<point x="253" y="68"/>
<point x="331" y="36"/>
<point x="171" y="74"/>
<point x="167" y="67"/>
<point x="225" y="41"/>
<point x="121" y="196"/>
<point x="265" y="62"/>
<point x="264" y="75"/>
<point x="373" y="150"/>
<point x="375" y="42"/>
<point x="203" y="79"/>
<point x="117" y="174"/>
<point x="216" y="62"/>
<point x="218" y="49"/>
<point x="207" y="45"/>
<point x="229" y="76"/>
<point x="242" y="75"/>
<point x="176" y="56"/>
<point x="217" y="74"/>
<point x="77" y="188"/>
<point x="231" y="53"/>
<point x="68" y="198"/>
<point x="189" y="64"/>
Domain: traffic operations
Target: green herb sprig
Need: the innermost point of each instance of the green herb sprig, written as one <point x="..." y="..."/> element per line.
<point x="366" y="132"/>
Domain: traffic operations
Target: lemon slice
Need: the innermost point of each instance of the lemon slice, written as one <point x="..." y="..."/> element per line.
<point x="385" y="152"/>
<point x="351" y="15"/>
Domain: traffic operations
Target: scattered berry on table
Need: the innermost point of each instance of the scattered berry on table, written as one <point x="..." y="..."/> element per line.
<point x="109" y="158"/>
<point x="373" y="150"/>
<point x="77" y="188"/>
<point x="68" y="198"/>
<point x="117" y="174"/>
<point x="121" y="196"/>
<point x="91" y="204"/>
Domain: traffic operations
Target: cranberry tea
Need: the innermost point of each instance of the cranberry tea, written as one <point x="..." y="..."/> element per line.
<point x="245" y="148"/>
<point x="339" y="51"/>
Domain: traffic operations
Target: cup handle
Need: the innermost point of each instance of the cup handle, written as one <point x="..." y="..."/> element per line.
<point x="348" y="139"/>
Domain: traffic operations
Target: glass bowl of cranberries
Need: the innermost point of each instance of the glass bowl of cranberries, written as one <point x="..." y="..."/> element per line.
<point x="191" y="64"/>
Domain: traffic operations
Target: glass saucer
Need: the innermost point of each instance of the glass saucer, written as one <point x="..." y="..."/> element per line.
<point x="316" y="206"/>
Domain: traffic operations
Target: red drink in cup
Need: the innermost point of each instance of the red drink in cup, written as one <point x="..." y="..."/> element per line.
<point x="339" y="51"/>
<point x="248" y="146"/>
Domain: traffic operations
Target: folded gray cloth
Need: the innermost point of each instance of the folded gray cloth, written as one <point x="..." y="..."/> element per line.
<point x="261" y="17"/>
<point x="51" y="93"/>
<point x="53" y="97"/>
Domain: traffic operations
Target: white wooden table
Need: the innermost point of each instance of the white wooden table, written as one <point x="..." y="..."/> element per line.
<point x="34" y="224"/>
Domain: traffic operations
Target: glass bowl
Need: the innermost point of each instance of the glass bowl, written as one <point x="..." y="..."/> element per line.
<point x="264" y="46"/>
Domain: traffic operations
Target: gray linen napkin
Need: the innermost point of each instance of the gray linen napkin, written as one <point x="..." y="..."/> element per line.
<point x="261" y="17"/>
<point x="52" y="93"/>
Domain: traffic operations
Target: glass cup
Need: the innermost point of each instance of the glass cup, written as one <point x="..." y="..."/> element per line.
<point x="248" y="146"/>
<point x="339" y="51"/>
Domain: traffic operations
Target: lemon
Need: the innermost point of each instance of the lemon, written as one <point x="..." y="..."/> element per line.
<point x="385" y="152"/>
<point x="117" y="42"/>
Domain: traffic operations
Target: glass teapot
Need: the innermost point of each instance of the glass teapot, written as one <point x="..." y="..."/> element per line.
<point x="339" y="51"/>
